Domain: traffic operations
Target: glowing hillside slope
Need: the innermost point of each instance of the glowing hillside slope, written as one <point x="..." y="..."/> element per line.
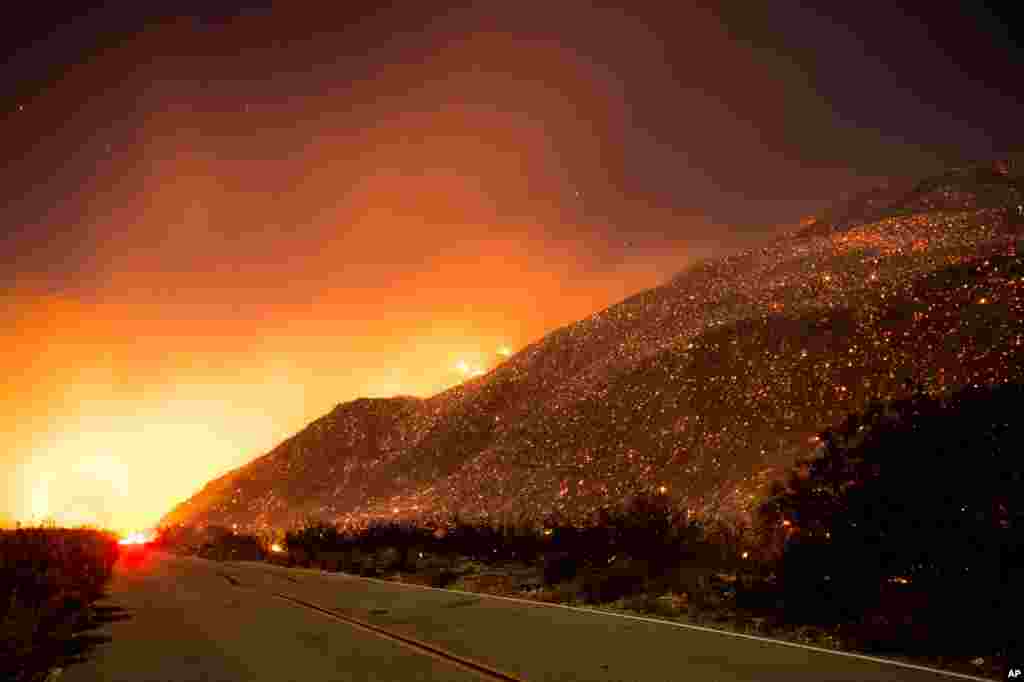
<point x="705" y="385"/>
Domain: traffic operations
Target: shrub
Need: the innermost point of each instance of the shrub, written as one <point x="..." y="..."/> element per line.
<point x="758" y="595"/>
<point x="608" y="585"/>
<point x="314" y="537"/>
<point x="663" y="608"/>
<point x="442" y="577"/>
<point x="47" y="577"/>
<point x="392" y="559"/>
<point x="643" y="528"/>
<point x="369" y="570"/>
<point x="568" y="593"/>
<point x="559" y="567"/>
<point x="640" y="603"/>
<point x="925" y="488"/>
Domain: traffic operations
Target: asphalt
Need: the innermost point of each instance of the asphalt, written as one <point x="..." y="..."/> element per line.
<point x="184" y="619"/>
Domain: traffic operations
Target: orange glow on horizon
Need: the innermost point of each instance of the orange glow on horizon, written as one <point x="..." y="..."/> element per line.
<point x="121" y="432"/>
<point x="114" y="430"/>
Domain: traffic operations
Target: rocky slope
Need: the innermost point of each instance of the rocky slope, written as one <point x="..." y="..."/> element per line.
<point x="705" y="386"/>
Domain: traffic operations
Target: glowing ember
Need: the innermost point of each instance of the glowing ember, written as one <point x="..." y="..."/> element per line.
<point x="136" y="538"/>
<point x="469" y="370"/>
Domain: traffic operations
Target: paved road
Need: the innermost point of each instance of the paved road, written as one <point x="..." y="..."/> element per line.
<point x="187" y="619"/>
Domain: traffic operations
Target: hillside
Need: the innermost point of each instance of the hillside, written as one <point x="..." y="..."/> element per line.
<point x="707" y="385"/>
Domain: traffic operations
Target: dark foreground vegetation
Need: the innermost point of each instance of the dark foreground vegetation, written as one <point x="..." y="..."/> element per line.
<point x="49" y="578"/>
<point x="901" y="536"/>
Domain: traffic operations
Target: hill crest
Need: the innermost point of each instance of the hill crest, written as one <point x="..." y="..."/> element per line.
<point x="707" y="385"/>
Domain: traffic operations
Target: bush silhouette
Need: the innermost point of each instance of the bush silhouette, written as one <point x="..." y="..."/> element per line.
<point x="923" y="493"/>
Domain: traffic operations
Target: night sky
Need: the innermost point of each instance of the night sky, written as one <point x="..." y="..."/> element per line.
<point x="220" y="222"/>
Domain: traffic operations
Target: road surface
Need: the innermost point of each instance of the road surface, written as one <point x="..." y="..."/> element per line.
<point x="183" y="619"/>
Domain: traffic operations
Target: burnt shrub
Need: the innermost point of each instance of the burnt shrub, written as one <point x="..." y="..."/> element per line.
<point x="601" y="586"/>
<point x="757" y="595"/>
<point x="559" y="567"/>
<point x="921" y="492"/>
<point x="643" y="528"/>
<point x="441" y="577"/>
<point x="369" y="570"/>
<point x="809" y="590"/>
<point x="243" y="548"/>
<point x="314" y="537"/>
<point x="523" y="543"/>
<point x="596" y="544"/>
<point x="568" y="593"/>
<point x="232" y="547"/>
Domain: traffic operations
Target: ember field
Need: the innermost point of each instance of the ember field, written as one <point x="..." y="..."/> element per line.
<point x="708" y="385"/>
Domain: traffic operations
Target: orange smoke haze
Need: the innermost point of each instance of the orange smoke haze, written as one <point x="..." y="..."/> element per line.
<point x="239" y="274"/>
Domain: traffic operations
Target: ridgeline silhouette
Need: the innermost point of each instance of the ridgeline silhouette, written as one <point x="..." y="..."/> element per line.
<point x="706" y="388"/>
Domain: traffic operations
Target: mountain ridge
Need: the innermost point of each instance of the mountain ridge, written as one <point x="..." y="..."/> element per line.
<point x="706" y="385"/>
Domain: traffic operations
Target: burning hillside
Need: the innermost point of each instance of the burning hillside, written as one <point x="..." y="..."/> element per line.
<point x="702" y="387"/>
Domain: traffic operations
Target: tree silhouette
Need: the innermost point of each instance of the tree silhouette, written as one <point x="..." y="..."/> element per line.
<point x="924" y="491"/>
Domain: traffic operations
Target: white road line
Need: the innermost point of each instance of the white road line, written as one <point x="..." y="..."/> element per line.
<point x="686" y="626"/>
<point x="412" y="643"/>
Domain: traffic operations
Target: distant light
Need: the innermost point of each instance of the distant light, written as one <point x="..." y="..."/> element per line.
<point x="746" y="554"/>
<point x="276" y="548"/>
<point x="548" y="531"/>
<point x="787" y="523"/>
<point x="662" y="489"/>
<point x="394" y="510"/>
<point x="136" y="539"/>
<point x="505" y="351"/>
